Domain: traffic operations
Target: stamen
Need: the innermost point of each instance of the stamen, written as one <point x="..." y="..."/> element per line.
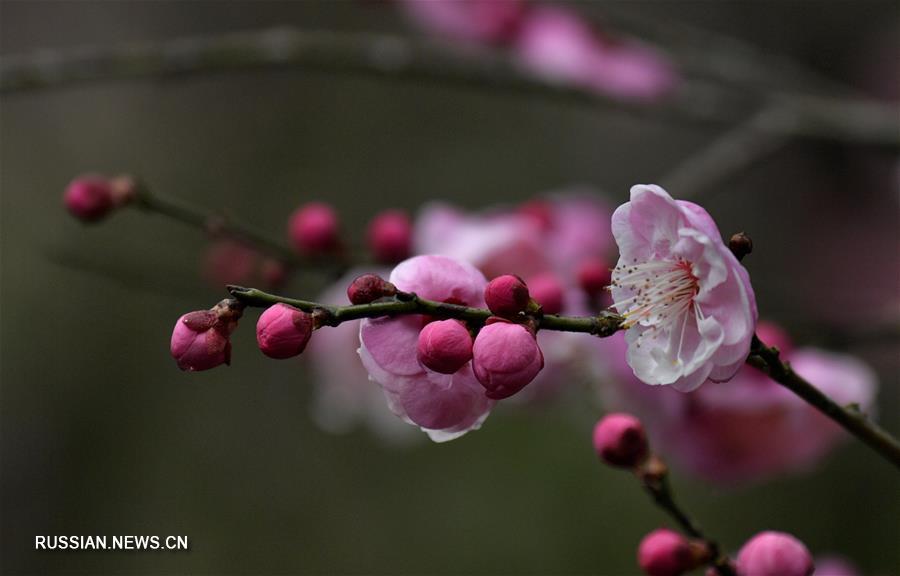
<point x="659" y="294"/>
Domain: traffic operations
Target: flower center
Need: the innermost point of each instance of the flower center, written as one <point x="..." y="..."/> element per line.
<point x="657" y="292"/>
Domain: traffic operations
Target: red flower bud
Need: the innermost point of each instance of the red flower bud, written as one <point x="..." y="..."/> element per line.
<point x="283" y="331"/>
<point x="619" y="440"/>
<point x="506" y="295"/>
<point x="369" y="288"/>
<point x="444" y="346"/>
<point x="390" y="236"/>
<point x="313" y="228"/>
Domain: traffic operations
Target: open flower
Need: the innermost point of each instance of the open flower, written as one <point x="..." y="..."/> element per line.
<point x="751" y="428"/>
<point x="445" y="406"/>
<point x="689" y="308"/>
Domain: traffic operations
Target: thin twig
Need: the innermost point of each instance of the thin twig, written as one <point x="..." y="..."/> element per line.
<point x="602" y="325"/>
<point x="400" y="58"/>
<point x="767" y="359"/>
<point x="654" y="476"/>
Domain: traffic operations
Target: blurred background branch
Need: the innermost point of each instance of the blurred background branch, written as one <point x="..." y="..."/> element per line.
<point x="393" y="56"/>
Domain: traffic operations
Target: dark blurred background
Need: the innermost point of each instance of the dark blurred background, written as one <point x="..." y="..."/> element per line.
<point x="101" y="434"/>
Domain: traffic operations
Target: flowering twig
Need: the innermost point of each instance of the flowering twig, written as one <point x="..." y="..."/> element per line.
<point x="602" y="325"/>
<point x="398" y="57"/>
<point x="211" y="223"/>
<point x="766" y="358"/>
<point x="654" y="475"/>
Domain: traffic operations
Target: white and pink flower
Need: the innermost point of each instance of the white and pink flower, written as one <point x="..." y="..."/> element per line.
<point x="689" y="308"/>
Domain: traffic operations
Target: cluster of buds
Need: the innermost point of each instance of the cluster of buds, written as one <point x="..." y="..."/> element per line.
<point x="620" y="441"/>
<point x="92" y="198"/>
<point x="314" y="230"/>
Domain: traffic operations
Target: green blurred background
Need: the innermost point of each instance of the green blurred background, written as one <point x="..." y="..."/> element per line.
<point x="101" y="434"/>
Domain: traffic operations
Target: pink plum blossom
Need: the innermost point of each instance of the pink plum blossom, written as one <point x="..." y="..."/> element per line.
<point x="390" y="236"/>
<point x="283" y="331"/>
<point x="559" y="45"/>
<point x="664" y="552"/>
<point x="444" y="346"/>
<point x="506" y="358"/>
<point x="835" y="566"/>
<point x="552" y="234"/>
<point x="200" y="340"/>
<point x="690" y="310"/>
<point x="91" y="198"/>
<point x="506" y="295"/>
<point x="445" y="406"/>
<point x="469" y="20"/>
<point x="774" y="554"/>
<point x="344" y="397"/>
<point x="313" y="228"/>
<point x="620" y="440"/>
<point x="746" y="430"/>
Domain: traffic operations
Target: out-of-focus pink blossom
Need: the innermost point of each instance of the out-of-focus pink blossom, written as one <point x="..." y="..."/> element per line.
<point x="283" y="331"/>
<point x="390" y="236"/>
<point x="344" y="396"/>
<point x="91" y="198"/>
<point x="548" y="291"/>
<point x="664" y="552"/>
<point x="689" y="307"/>
<point x="469" y="20"/>
<point x="313" y="228"/>
<point x="560" y="46"/>
<point x="228" y="261"/>
<point x="835" y="566"/>
<point x="445" y="406"/>
<point x="594" y="275"/>
<point x="200" y="340"/>
<point x="619" y="440"/>
<point x="552" y="234"/>
<point x="748" y="429"/>
<point x="774" y="554"/>
<point x="506" y="358"/>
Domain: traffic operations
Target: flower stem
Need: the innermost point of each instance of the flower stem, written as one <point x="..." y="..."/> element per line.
<point x="654" y="475"/>
<point x="767" y="359"/>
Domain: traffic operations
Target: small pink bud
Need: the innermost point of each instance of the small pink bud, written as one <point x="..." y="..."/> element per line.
<point x="547" y="290"/>
<point x="444" y="346"/>
<point x="773" y="335"/>
<point x="89" y="198"/>
<point x="313" y="228"/>
<point x="390" y="236"/>
<point x="619" y="440"/>
<point x="369" y="288"/>
<point x="283" y="331"/>
<point x="506" y="295"/>
<point x="200" y="339"/>
<point x="506" y="357"/>
<point x="664" y="552"/>
<point x="594" y="276"/>
<point x="774" y="554"/>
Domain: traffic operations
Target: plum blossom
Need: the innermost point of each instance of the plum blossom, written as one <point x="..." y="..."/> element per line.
<point x="343" y="396"/>
<point x="201" y="339"/>
<point x="750" y="428"/>
<point x="557" y="44"/>
<point x="552" y="235"/>
<point x="468" y="20"/>
<point x="445" y="406"/>
<point x="774" y="554"/>
<point x="689" y="308"/>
